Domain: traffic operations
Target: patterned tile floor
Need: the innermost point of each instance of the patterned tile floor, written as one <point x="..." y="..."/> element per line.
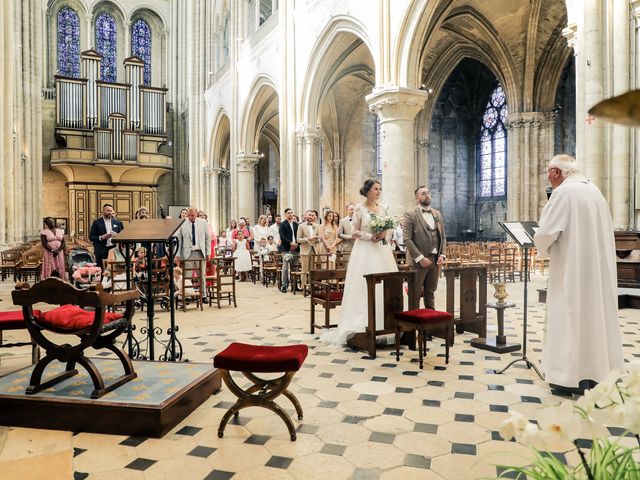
<point x="363" y="418"/>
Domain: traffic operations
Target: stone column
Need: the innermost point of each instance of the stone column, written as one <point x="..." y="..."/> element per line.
<point x="311" y="189"/>
<point x="246" y="197"/>
<point x="297" y="190"/>
<point x="215" y="210"/>
<point x="529" y="148"/>
<point x="397" y="108"/>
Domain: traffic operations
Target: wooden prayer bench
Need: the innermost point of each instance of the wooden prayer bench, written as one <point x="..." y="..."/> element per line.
<point x="326" y="288"/>
<point x="97" y="329"/>
<point x="393" y="295"/>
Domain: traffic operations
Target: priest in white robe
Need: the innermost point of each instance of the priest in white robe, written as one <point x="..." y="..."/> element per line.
<point x="582" y="341"/>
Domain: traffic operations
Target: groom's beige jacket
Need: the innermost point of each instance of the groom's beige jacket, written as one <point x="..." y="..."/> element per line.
<point x="418" y="236"/>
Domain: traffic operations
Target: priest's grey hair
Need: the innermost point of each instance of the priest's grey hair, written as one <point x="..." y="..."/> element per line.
<point x="566" y="163"/>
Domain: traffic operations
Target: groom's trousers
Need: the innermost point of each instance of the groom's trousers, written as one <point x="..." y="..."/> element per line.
<point x="427" y="282"/>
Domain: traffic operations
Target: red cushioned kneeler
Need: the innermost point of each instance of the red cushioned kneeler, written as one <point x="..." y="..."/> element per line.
<point x="420" y="319"/>
<point x="251" y="359"/>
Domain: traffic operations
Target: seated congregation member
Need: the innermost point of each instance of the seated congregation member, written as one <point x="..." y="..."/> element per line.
<point x="242" y="254"/>
<point x="271" y="244"/>
<point x="189" y="289"/>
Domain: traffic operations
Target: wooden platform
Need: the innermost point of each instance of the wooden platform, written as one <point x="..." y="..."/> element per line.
<point x="163" y="394"/>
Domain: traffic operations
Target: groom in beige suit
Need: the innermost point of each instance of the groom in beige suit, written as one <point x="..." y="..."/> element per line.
<point x="424" y="237"/>
<point x="345" y="230"/>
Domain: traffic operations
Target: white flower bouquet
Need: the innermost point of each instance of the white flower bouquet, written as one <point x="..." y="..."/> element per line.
<point x="615" y="402"/>
<point x="381" y="222"/>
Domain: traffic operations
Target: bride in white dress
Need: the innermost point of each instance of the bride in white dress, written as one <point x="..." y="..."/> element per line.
<point x="369" y="255"/>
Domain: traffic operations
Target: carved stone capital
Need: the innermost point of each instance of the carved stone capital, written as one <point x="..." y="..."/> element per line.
<point x="247" y="162"/>
<point x="571" y="34"/>
<point x="396" y="103"/>
<point x="526" y="119"/>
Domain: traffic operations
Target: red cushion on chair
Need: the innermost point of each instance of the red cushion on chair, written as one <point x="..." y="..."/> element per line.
<point x="242" y="357"/>
<point x="424" y="316"/>
<point x="15" y="320"/>
<point x="72" y="317"/>
<point x="334" y="296"/>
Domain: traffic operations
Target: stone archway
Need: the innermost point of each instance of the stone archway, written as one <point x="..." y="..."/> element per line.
<point x="218" y="192"/>
<point x="258" y="160"/>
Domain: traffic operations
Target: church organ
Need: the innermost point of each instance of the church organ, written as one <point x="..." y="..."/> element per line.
<point x="108" y="136"/>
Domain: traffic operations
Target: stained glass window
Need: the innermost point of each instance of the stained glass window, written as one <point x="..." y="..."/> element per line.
<point x="225" y="36"/>
<point x="492" y="152"/>
<point x="106" y="45"/>
<point x="141" y="46"/>
<point x="68" y="43"/>
<point x="378" y="140"/>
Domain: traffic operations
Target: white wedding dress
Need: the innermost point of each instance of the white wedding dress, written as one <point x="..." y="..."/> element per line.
<point x="366" y="257"/>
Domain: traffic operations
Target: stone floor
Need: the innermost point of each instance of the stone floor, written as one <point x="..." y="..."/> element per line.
<point x="363" y="418"/>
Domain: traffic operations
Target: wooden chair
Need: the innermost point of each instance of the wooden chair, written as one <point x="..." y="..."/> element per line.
<point x="393" y="298"/>
<point x="97" y="329"/>
<point x="326" y="290"/>
<point x="496" y="267"/>
<point x="10" y="264"/>
<point x="190" y="288"/>
<point x="31" y="265"/>
<point x="271" y="268"/>
<point x="223" y="286"/>
<point x="342" y="260"/>
<point x="254" y="273"/>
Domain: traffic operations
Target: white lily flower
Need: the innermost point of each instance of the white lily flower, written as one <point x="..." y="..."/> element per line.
<point x="631" y="414"/>
<point x="631" y="381"/>
<point x="561" y="423"/>
<point x="513" y="426"/>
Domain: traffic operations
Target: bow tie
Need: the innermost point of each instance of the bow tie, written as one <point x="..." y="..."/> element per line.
<point x="310" y="224"/>
<point x="426" y="211"/>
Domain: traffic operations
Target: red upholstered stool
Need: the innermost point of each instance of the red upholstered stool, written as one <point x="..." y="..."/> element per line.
<point x="251" y="359"/>
<point x="421" y="320"/>
<point x="15" y="321"/>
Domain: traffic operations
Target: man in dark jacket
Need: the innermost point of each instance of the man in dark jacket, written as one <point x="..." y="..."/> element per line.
<point x="288" y="231"/>
<point x="103" y="231"/>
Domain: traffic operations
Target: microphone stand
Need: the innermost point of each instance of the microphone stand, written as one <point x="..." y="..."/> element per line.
<point x="523" y="358"/>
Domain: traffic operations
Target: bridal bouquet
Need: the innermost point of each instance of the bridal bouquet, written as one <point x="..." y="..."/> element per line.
<point x="381" y="222"/>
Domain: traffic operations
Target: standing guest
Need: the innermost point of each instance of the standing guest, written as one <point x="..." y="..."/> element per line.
<point x="582" y="340"/>
<point x="249" y="228"/>
<point x="398" y="239"/>
<point x="242" y="225"/>
<point x="288" y="247"/>
<point x="345" y="231"/>
<point x="194" y="242"/>
<point x="211" y="269"/>
<point x="423" y="232"/>
<point x="141" y="214"/>
<point x="309" y="239"/>
<point x="233" y="225"/>
<point x="270" y="220"/>
<point x="329" y="239"/>
<point x="52" y="239"/>
<point x="103" y="231"/>
<point x="275" y="229"/>
<point x="242" y="254"/>
<point x="336" y="220"/>
<point x="184" y="213"/>
<point x="261" y="229"/>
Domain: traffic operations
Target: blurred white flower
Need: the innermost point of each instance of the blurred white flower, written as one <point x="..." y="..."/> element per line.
<point x="631" y="414"/>
<point x="631" y="381"/>
<point x="606" y="392"/>
<point x="513" y="426"/>
<point x="561" y="422"/>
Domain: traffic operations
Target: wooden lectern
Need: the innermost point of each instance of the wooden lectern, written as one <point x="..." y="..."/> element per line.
<point x="147" y="233"/>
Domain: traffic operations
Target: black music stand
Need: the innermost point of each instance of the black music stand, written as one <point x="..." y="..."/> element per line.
<point x="147" y="233"/>
<point x="522" y="233"/>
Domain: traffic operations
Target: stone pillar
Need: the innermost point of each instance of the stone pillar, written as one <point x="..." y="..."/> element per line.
<point x="529" y="149"/>
<point x="634" y="204"/>
<point x="215" y="210"/>
<point x="246" y="197"/>
<point x="297" y="190"/>
<point x="311" y="189"/>
<point x="397" y="108"/>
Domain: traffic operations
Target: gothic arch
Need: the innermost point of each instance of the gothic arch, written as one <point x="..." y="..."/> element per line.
<point x="261" y="107"/>
<point x="549" y="71"/>
<point x="341" y="37"/>
<point x="220" y="141"/>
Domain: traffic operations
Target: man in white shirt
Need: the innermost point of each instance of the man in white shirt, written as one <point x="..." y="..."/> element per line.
<point x="103" y="231"/>
<point x="194" y="242"/>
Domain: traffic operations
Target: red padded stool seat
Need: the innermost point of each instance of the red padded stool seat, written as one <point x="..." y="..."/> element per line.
<point x="242" y="357"/>
<point x="420" y="319"/>
<point x="251" y="359"/>
<point x="71" y="318"/>
<point x="15" y="321"/>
